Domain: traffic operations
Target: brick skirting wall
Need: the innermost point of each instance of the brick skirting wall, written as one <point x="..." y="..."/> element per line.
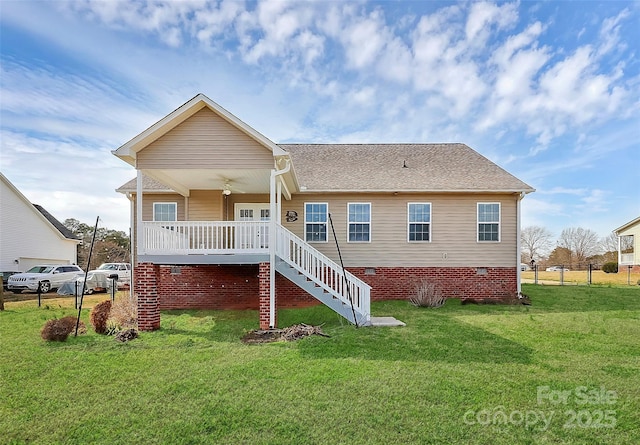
<point x="625" y="269"/>
<point x="238" y="287"/>
<point x="395" y="283"/>
<point x="222" y="287"/>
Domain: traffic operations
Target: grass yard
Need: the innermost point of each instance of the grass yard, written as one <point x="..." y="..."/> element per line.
<point x="564" y="370"/>
<point x="581" y="277"/>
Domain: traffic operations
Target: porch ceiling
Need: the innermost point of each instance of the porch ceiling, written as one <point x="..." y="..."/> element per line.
<point x="239" y="181"/>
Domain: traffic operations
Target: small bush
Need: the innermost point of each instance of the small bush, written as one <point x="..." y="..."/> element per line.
<point x="610" y="267"/>
<point x="99" y="316"/>
<point x="427" y="295"/>
<point x="59" y="329"/>
<point x="124" y="313"/>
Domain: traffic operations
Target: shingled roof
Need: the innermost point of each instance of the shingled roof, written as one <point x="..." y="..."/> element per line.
<point x="450" y="167"/>
<point x="148" y="185"/>
<point x="57" y="224"/>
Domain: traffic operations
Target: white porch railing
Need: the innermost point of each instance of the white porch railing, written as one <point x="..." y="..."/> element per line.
<point x="252" y="237"/>
<point x="205" y="237"/>
<point x="324" y="272"/>
<point x="626" y="259"/>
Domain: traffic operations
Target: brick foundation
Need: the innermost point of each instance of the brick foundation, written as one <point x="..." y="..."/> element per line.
<point x="625" y="269"/>
<point x="396" y="283"/>
<point x="247" y="287"/>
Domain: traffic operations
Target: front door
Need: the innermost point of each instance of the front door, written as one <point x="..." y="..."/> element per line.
<point x="252" y="236"/>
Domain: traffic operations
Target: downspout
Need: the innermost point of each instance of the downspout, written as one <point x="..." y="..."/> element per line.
<point x="620" y="250"/>
<point x="518" y="247"/>
<point x="273" y="218"/>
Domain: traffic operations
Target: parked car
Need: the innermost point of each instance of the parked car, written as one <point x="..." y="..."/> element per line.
<point x="5" y="279"/>
<point x="524" y="266"/>
<point x="49" y="276"/>
<point x="556" y="269"/>
<point x="122" y="269"/>
<point x="96" y="281"/>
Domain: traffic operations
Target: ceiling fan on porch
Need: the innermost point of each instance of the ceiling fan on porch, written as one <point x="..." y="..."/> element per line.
<point x="230" y="187"/>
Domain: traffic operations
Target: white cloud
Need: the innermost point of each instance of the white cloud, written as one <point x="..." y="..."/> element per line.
<point x="610" y="32"/>
<point x="484" y="15"/>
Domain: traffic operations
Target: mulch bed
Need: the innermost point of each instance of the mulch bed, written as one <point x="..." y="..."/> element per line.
<point x="292" y="333"/>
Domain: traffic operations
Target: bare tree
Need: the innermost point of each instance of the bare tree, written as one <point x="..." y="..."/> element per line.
<point x="583" y="243"/>
<point x="536" y="242"/>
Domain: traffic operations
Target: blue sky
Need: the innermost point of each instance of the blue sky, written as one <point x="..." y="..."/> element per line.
<point x="550" y="91"/>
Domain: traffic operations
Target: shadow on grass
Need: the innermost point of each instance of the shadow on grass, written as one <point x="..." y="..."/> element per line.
<point x="429" y="336"/>
<point x="439" y="338"/>
<point x="582" y="299"/>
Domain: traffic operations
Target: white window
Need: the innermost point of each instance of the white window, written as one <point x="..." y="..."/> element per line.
<point x="419" y="221"/>
<point x="315" y="221"/>
<point x="165" y="211"/>
<point x="489" y="221"/>
<point x="359" y="222"/>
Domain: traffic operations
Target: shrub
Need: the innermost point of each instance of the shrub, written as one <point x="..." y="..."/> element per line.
<point x="59" y="329"/>
<point x="610" y="267"/>
<point x="99" y="316"/>
<point x="124" y="313"/>
<point x="427" y="295"/>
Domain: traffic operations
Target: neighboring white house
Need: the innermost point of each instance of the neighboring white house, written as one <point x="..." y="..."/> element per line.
<point x="29" y="235"/>
<point x="629" y="257"/>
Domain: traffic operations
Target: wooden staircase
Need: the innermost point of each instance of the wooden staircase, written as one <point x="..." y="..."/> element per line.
<point x="322" y="278"/>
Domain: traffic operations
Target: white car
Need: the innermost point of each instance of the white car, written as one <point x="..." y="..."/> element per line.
<point x="122" y="269"/>
<point x="556" y="269"/>
<point x="48" y="276"/>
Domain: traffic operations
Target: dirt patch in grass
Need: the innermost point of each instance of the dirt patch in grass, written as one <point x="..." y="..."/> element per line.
<point x="292" y="333"/>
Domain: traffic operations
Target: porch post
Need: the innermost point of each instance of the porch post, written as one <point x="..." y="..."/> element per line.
<point x="274" y="220"/>
<point x="619" y="251"/>
<point x="139" y="228"/>
<point x="264" y="299"/>
<point x="147" y="277"/>
<point x="518" y="247"/>
<point x="272" y="250"/>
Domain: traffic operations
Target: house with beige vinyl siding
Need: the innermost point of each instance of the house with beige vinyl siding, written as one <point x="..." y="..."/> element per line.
<point x="225" y="218"/>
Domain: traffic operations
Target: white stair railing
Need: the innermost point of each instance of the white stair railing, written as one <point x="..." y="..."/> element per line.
<point x="324" y="272"/>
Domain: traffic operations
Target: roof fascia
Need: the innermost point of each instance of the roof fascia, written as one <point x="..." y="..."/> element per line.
<point x="627" y="225"/>
<point x="526" y="191"/>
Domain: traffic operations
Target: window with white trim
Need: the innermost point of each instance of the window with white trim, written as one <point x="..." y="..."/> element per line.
<point x="315" y="221"/>
<point x="489" y="221"/>
<point x="359" y="222"/>
<point x="419" y="221"/>
<point x="165" y="211"/>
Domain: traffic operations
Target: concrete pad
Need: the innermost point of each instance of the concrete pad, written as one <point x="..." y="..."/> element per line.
<point x="386" y="321"/>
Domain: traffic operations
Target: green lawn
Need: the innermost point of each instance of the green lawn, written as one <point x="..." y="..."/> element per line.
<point x="445" y="378"/>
